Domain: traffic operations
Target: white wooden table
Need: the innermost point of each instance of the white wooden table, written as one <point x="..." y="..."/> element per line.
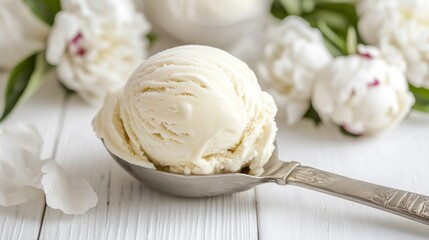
<point x="129" y="210"/>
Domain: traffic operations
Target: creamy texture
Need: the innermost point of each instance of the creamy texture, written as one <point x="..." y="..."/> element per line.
<point x="191" y="110"/>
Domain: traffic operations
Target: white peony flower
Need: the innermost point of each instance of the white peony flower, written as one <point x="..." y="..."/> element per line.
<point x="23" y="175"/>
<point x="22" y="33"/>
<point x="217" y="23"/>
<point x="292" y="57"/>
<point x="363" y="93"/>
<point x="96" y="45"/>
<point x="402" y="26"/>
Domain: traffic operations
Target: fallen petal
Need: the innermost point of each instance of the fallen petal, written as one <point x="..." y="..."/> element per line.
<point x="72" y="195"/>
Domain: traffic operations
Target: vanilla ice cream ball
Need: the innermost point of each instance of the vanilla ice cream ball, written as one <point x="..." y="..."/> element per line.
<point x="192" y="110"/>
<point x="216" y="23"/>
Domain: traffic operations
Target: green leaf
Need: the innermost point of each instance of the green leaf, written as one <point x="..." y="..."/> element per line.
<point x="293" y="7"/>
<point x="277" y="10"/>
<point x="44" y="9"/>
<point x="346" y="9"/>
<point x="332" y="37"/>
<point x="351" y="40"/>
<point x="24" y="80"/>
<point x="151" y="38"/>
<point x="334" y="20"/>
<point x="332" y="49"/>
<point x="17" y="82"/>
<point x="313" y="115"/>
<point x="421" y="107"/>
<point x="308" y="5"/>
<point x="422" y="98"/>
<point x="38" y="77"/>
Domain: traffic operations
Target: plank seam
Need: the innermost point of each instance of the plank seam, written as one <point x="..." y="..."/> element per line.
<point x="109" y="182"/>
<point x="55" y="148"/>
<point x="257" y="215"/>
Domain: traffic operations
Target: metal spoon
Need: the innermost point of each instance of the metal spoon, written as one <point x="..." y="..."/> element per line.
<point x="406" y="204"/>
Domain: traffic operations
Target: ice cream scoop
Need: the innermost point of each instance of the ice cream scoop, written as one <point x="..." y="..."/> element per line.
<point x="402" y="203"/>
<point x="191" y="110"/>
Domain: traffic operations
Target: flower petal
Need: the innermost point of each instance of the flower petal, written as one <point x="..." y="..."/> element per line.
<point x="295" y="111"/>
<point x="22" y="33"/>
<point x="96" y="45"/>
<point x="399" y="26"/>
<point x="20" y="164"/>
<point x="64" y="29"/>
<point x="72" y="195"/>
<point x="11" y="195"/>
<point x="293" y="56"/>
<point x="363" y="94"/>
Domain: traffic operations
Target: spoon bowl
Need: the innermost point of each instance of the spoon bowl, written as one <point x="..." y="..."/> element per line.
<point x="191" y="185"/>
<point x="403" y="203"/>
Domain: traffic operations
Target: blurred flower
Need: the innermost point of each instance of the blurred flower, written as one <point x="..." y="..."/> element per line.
<point x="403" y="26"/>
<point x="363" y="94"/>
<point x="20" y="164"/>
<point x="22" y="33"/>
<point x="215" y="23"/>
<point x="23" y="175"/>
<point x="292" y="57"/>
<point x="96" y="45"/>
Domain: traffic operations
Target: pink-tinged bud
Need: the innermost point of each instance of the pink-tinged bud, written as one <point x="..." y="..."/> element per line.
<point x="362" y="97"/>
<point x="77" y="38"/>
<point x="81" y="52"/>
<point x="365" y="55"/>
<point x="374" y="83"/>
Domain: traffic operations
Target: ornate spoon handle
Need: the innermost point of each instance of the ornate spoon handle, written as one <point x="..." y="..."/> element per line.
<point x="406" y="204"/>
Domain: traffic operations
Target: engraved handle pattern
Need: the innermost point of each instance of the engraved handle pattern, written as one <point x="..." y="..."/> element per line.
<point x="407" y="204"/>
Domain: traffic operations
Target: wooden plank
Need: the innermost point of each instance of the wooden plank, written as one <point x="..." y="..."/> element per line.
<point x="397" y="159"/>
<point x="44" y="111"/>
<point x="81" y="154"/>
<point x="129" y="210"/>
<point x="136" y="212"/>
<point x="225" y="217"/>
